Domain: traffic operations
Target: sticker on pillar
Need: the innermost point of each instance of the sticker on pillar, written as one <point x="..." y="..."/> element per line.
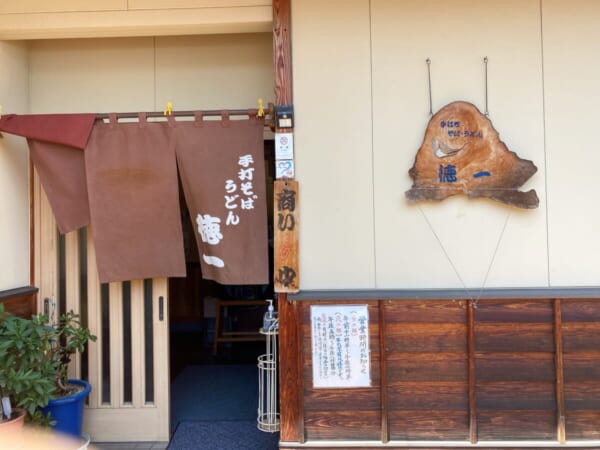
<point x="340" y="346"/>
<point x="284" y="146"/>
<point x="284" y="169"/>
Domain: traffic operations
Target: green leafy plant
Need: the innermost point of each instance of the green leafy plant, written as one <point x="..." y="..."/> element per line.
<point x="71" y="337"/>
<point x="27" y="372"/>
<point x="34" y="359"/>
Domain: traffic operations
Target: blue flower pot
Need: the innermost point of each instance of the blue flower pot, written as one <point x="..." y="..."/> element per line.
<point x="68" y="411"/>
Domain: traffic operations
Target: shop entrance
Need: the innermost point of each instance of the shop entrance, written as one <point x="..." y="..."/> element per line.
<point x="214" y="335"/>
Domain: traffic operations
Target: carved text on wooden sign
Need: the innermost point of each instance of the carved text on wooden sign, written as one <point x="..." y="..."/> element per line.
<point x="462" y="154"/>
<point x="286" y="276"/>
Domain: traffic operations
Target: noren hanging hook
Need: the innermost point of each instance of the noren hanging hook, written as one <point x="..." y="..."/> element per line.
<point x="428" y="61"/>
<point x="485" y="62"/>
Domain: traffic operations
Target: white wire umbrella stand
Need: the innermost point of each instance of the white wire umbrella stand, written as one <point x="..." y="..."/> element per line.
<point x="268" y="398"/>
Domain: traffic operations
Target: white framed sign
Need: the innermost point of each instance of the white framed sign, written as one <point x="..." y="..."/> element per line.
<point x="340" y="346"/>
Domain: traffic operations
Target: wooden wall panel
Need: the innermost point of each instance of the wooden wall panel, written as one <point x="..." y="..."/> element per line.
<point x="516" y="425"/>
<point x="514" y="311"/>
<point x="584" y="310"/>
<point x="430" y="311"/>
<point x="427" y="370"/>
<point x="427" y="367"/>
<point x="581" y="360"/>
<point x="343" y="425"/>
<point x="426" y="385"/>
<point x="429" y="425"/>
<point x="515" y="370"/>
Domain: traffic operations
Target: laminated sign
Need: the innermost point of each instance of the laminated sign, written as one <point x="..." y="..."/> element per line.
<point x="340" y="346"/>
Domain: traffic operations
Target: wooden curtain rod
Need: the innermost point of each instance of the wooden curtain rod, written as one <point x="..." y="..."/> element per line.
<point x="215" y="112"/>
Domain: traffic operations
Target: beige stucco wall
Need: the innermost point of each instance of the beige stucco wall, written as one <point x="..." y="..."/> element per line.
<point x="362" y="105"/>
<point x="14" y="169"/>
<point x="142" y="74"/>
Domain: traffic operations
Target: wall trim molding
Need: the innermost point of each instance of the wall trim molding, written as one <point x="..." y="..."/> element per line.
<point x="18" y="292"/>
<point x="448" y="294"/>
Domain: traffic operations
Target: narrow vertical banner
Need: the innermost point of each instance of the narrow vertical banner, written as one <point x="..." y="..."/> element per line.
<point x="286" y="273"/>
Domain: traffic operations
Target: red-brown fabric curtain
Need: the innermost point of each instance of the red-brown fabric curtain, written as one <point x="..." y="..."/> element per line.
<point x="221" y="164"/>
<point x="56" y="142"/>
<point x="61" y="170"/>
<point x="134" y="200"/>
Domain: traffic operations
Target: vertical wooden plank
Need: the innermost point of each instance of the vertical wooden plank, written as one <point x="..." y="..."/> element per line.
<point x="73" y="290"/>
<point x="560" y="390"/>
<point x="32" y="224"/>
<point x="282" y="51"/>
<point x="161" y="354"/>
<point x="472" y="381"/>
<point x="286" y="267"/>
<point x="291" y="424"/>
<point x="116" y="344"/>
<point x="37" y="276"/>
<point x="94" y="324"/>
<point x="385" y="433"/>
<point x="137" y="343"/>
<point x="48" y="276"/>
<point x="300" y="365"/>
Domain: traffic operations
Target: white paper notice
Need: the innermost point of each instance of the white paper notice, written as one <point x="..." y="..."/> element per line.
<point x="340" y="346"/>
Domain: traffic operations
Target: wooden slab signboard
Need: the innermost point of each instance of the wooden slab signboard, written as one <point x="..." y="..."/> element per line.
<point x="286" y="274"/>
<point x="462" y="153"/>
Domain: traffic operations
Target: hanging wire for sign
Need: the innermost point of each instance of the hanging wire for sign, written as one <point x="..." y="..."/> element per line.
<point x="485" y="62"/>
<point x="428" y="61"/>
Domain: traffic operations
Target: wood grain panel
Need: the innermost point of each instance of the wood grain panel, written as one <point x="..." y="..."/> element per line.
<point x="425" y="311"/>
<point x="581" y="310"/>
<point x="583" y="425"/>
<point x="367" y="399"/>
<point x="581" y="336"/>
<point x="514" y="337"/>
<point x="410" y="337"/>
<point x="516" y="425"/>
<point x="21" y="301"/>
<point x="582" y="366"/>
<point x="516" y="395"/>
<point x="427" y="367"/>
<point x="515" y="311"/>
<point x="429" y="425"/>
<point x="346" y="425"/>
<point x="291" y="427"/>
<point x="419" y="396"/>
<point x="584" y="395"/>
<point x="515" y="367"/>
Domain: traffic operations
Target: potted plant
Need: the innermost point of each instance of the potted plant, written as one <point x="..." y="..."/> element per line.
<point x="34" y="359"/>
<point x="66" y="404"/>
<point x="26" y="372"/>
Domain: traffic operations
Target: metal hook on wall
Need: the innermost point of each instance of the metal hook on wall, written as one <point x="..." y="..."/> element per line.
<point x="485" y="62"/>
<point x="428" y="61"/>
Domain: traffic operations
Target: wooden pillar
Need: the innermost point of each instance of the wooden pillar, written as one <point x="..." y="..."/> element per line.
<point x="290" y="347"/>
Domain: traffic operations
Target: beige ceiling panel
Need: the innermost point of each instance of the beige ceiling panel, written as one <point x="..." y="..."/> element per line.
<point x="45" y="6"/>
<point x="136" y="23"/>
<point x="188" y="4"/>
